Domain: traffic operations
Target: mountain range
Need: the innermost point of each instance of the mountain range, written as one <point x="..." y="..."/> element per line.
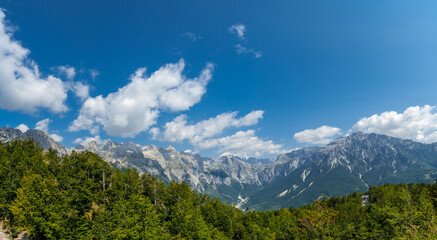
<point x="349" y="164"/>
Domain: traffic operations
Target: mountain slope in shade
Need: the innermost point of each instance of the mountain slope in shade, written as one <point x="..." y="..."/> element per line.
<point x="348" y="164"/>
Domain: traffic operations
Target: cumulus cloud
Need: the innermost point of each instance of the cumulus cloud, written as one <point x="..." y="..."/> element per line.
<point x="238" y="29"/>
<point x="68" y="71"/>
<point x="21" y="85"/>
<point x="56" y="137"/>
<point x="321" y="135"/>
<point x="242" y="143"/>
<point x="43" y="125"/>
<point x="85" y="141"/>
<point x="416" y="123"/>
<point x="203" y="135"/>
<point x="81" y="90"/>
<point x="22" y="127"/>
<point x="155" y="133"/>
<point x="243" y="50"/>
<point x="192" y="36"/>
<point x="135" y="107"/>
<point x="178" y="130"/>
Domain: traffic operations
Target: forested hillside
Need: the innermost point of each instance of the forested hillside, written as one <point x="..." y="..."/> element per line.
<point x="80" y="196"/>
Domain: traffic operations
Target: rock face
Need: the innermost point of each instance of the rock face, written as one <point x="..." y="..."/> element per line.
<point x="348" y="164"/>
<point x="169" y="164"/>
<point x="8" y="134"/>
<point x="165" y="163"/>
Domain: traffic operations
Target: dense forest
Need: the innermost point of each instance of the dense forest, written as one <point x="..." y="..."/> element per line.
<point x="80" y="196"/>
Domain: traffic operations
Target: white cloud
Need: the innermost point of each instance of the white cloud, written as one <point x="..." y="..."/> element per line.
<point x="321" y="135"/>
<point x="416" y="123"/>
<point x="240" y="50"/>
<point x="155" y="133"/>
<point x="201" y="135"/>
<point x="22" y="127"/>
<point x="242" y="143"/>
<point x="135" y="107"/>
<point x="21" y="85"/>
<point x="81" y="90"/>
<point x="94" y="73"/>
<point x="87" y="140"/>
<point x="68" y="71"/>
<point x="238" y="29"/>
<point x="289" y="150"/>
<point x="43" y="125"/>
<point x="56" y="137"/>
<point x="192" y="36"/>
<point x="178" y="129"/>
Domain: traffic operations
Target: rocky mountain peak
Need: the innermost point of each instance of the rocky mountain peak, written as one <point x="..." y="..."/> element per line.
<point x="171" y="148"/>
<point x="93" y="145"/>
<point x="107" y="142"/>
<point x="349" y="163"/>
<point x="41" y="137"/>
<point x="8" y="134"/>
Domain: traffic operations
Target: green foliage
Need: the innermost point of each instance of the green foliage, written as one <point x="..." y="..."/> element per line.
<point x="39" y="207"/>
<point x="80" y="196"/>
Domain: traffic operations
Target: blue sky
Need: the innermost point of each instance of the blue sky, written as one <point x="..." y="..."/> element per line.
<point x="298" y="73"/>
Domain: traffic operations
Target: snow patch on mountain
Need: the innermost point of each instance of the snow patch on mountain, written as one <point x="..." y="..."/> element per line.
<point x="283" y="193"/>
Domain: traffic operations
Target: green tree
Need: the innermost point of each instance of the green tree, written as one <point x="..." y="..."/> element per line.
<point x="39" y="208"/>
